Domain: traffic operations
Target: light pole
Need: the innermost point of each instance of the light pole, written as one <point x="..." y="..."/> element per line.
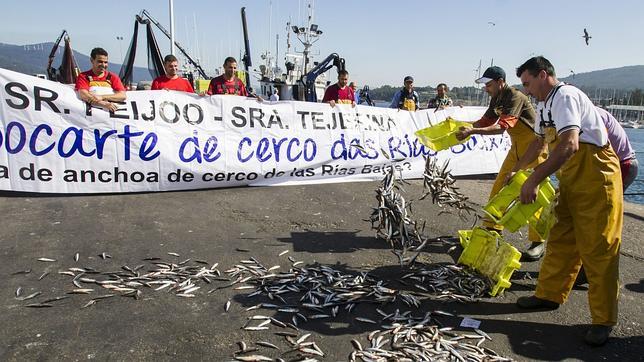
<point x="120" y="39"/>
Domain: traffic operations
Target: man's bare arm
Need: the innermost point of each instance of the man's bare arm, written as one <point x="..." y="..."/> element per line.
<point x="568" y="145"/>
<point x="116" y="97"/>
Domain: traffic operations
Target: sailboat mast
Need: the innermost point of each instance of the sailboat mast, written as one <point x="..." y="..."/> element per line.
<point x="171" y="26"/>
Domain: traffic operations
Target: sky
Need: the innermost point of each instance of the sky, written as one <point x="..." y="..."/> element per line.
<point x="382" y="41"/>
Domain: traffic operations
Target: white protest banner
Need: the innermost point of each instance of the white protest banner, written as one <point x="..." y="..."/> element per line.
<point x="51" y="141"/>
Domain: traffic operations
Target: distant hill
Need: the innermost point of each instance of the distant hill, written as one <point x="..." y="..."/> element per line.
<point x="624" y="78"/>
<point x="32" y="59"/>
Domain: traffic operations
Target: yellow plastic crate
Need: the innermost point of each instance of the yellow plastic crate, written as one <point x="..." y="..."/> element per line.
<point x="543" y="221"/>
<point x="202" y="85"/>
<point x="506" y="209"/>
<point x="443" y="135"/>
<point x="464" y="237"/>
<point x="487" y="253"/>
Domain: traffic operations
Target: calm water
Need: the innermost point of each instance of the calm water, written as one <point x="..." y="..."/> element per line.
<point x="635" y="192"/>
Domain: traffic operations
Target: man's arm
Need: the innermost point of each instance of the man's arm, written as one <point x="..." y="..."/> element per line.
<point x="568" y="145"/>
<point x="86" y="96"/>
<point x="464" y="132"/>
<point x="395" y="100"/>
<point x="99" y="101"/>
<point x="116" y="97"/>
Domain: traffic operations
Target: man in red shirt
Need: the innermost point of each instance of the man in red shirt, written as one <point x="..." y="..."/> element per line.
<point x="98" y="86"/>
<point x="228" y="83"/>
<point x="340" y="92"/>
<point x="171" y="80"/>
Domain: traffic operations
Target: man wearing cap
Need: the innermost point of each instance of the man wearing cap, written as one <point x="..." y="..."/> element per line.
<point x="406" y="98"/>
<point x="511" y="111"/>
<point x="590" y="207"/>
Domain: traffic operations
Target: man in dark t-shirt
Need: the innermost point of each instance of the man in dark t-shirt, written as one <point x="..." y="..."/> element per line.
<point x="228" y="83"/>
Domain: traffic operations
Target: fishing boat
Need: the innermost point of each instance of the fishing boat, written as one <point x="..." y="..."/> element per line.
<point x="303" y="78"/>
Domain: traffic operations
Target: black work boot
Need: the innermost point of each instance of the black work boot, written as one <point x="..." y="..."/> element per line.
<point x="533" y="302"/>
<point x="534" y="252"/>
<point x="598" y="334"/>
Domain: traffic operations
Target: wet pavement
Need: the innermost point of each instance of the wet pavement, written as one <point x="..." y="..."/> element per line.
<point x="317" y="224"/>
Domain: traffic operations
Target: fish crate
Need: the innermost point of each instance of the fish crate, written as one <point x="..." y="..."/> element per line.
<point x="487" y="253"/>
<point x="544" y="220"/>
<point x="201" y="85"/>
<point x="506" y="209"/>
<point x="443" y="135"/>
<point x="464" y="237"/>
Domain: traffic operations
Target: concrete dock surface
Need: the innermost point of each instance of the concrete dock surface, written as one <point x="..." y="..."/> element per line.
<point x="317" y="224"/>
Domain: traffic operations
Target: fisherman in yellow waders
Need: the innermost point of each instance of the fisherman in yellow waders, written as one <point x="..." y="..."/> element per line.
<point x="590" y="207"/>
<point x="406" y="98"/>
<point x="511" y="111"/>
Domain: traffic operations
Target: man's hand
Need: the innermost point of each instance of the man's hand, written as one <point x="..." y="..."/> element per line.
<point x="107" y="105"/>
<point x="353" y="104"/>
<point x="332" y="103"/>
<point x="463" y="133"/>
<point x="529" y="191"/>
<point x="509" y="177"/>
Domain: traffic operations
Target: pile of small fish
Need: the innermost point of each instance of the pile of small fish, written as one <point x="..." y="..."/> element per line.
<point x="439" y="183"/>
<point x="392" y="219"/>
<point x="408" y="338"/>
<point x="313" y="292"/>
<point x="183" y="279"/>
<point x="449" y="282"/>
<point x="305" y="349"/>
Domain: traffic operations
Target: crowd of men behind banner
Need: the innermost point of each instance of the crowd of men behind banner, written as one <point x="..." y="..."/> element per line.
<point x="566" y="134"/>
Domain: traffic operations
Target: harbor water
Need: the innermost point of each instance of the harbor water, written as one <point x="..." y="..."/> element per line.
<point x="635" y="192"/>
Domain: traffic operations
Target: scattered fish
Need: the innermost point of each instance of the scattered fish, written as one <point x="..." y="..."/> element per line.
<point x="39" y="305"/>
<point x="47" y="260"/>
<point x="266" y="344"/>
<point x="21" y="272"/>
<point x="30" y="296"/>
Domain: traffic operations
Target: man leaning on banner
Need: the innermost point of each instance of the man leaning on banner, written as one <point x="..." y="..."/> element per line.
<point x="98" y="86"/>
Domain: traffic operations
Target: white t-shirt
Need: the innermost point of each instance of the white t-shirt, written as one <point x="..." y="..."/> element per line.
<point x="274" y="97"/>
<point x="570" y="107"/>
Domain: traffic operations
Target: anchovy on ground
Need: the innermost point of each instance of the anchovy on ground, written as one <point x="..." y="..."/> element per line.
<point x="409" y="338"/>
<point x="446" y="281"/>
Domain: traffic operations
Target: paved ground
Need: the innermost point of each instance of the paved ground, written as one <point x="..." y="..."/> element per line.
<point x="319" y="224"/>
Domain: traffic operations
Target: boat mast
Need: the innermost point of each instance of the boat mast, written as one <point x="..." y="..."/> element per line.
<point x="307" y="36"/>
<point x="171" y="26"/>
